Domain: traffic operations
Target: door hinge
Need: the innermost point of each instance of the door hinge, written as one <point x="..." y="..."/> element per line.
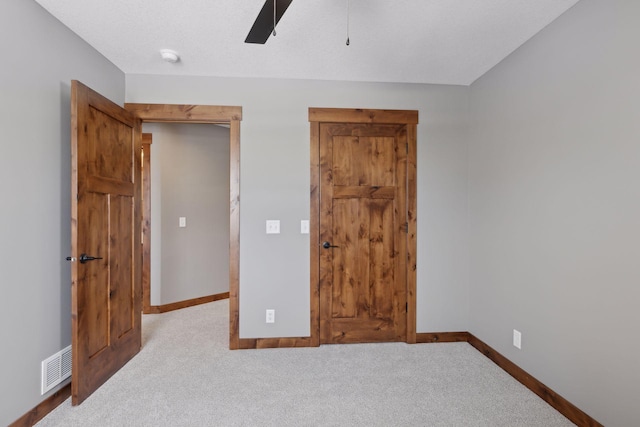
<point x="406" y="307"/>
<point x="407" y="147"/>
<point x="405" y="226"/>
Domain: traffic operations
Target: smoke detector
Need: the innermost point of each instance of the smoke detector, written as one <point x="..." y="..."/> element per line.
<point x="170" y="55"/>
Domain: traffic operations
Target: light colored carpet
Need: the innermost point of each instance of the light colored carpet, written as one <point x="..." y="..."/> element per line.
<point x="186" y="376"/>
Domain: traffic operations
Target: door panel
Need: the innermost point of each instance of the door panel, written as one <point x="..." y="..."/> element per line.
<point x="121" y="275"/>
<point x="364" y="161"/>
<point x="106" y="161"/>
<point x="105" y="223"/>
<point x="93" y="232"/>
<point x="381" y="257"/>
<point x="363" y="215"/>
<point x="350" y="266"/>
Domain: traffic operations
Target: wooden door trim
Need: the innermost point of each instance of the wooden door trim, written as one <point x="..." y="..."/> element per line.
<point x="341" y="115"/>
<point x="412" y="229"/>
<point x="146" y="222"/>
<point x="176" y="113"/>
<point x="314" y="234"/>
<point x="359" y="115"/>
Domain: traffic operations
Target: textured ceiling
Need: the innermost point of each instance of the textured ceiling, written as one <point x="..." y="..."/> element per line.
<point x="417" y="41"/>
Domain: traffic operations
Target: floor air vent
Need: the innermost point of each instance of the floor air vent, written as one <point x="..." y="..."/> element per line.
<point x="56" y="369"/>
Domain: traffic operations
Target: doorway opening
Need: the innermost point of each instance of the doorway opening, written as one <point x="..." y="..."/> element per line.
<point x="222" y="115"/>
<point x="185" y="215"/>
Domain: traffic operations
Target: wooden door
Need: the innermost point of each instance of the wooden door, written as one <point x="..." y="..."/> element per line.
<point x="363" y="232"/>
<point x="105" y="224"/>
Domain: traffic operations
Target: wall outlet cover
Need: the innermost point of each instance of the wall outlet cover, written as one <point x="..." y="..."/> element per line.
<point x="517" y="339"/>
<point x="273" y="226"/>
<point x="271" y="316"/>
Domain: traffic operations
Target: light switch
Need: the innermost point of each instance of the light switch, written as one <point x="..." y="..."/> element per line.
<point x="517" y="339"/>
<point x="182" y="222"/>
<point x="304" y="226"/>
<point x="273" y="226"/>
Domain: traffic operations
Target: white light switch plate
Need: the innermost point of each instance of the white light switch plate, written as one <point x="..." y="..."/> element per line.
<point x="273" y="226"/>
<point x="517" y="339"/>
<point x="182" y="221"/>
<point x="304" y="226"/>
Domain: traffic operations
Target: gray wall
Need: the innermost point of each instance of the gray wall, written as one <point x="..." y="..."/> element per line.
<point x="40" y="58"/>
<point x="274" y="184"/>
<point x="189" y="178"/>
<point x="555" y="207"/>
<point x="531" y="211"/>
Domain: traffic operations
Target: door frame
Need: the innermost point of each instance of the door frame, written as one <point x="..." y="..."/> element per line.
<point x="147" y="140"/>
<point x="212" y="114"/>
<point x="409" y="118"/>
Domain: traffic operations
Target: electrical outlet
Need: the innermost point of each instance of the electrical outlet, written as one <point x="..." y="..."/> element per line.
<point x="517" y="339"/>
<point x="271" y="316"/>
<point x="273" y="226"/>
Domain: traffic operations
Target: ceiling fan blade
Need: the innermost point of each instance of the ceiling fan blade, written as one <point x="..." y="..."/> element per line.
<point x="263" y="27"/>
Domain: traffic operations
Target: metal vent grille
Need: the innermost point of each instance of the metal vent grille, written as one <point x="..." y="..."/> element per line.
<point x="65" y="363"/>
<point x="56" y="369"/>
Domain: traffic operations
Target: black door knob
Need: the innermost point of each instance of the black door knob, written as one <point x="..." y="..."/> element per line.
<point x="84" y="258"/>
<point x="328" y="245"/>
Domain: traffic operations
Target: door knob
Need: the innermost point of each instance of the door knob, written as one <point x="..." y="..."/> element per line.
<point x="328" y="245"/>
<point x="84" y="258"/>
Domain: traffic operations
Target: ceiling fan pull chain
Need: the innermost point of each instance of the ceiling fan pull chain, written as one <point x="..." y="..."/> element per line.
<point x="348" y="9"/>
<point x="274" y="17"/>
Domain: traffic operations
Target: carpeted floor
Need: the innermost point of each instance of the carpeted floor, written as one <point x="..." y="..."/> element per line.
<point x="186" y="376"/>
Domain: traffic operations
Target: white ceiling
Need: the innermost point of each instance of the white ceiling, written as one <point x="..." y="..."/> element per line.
<point x="417" y="41"/>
